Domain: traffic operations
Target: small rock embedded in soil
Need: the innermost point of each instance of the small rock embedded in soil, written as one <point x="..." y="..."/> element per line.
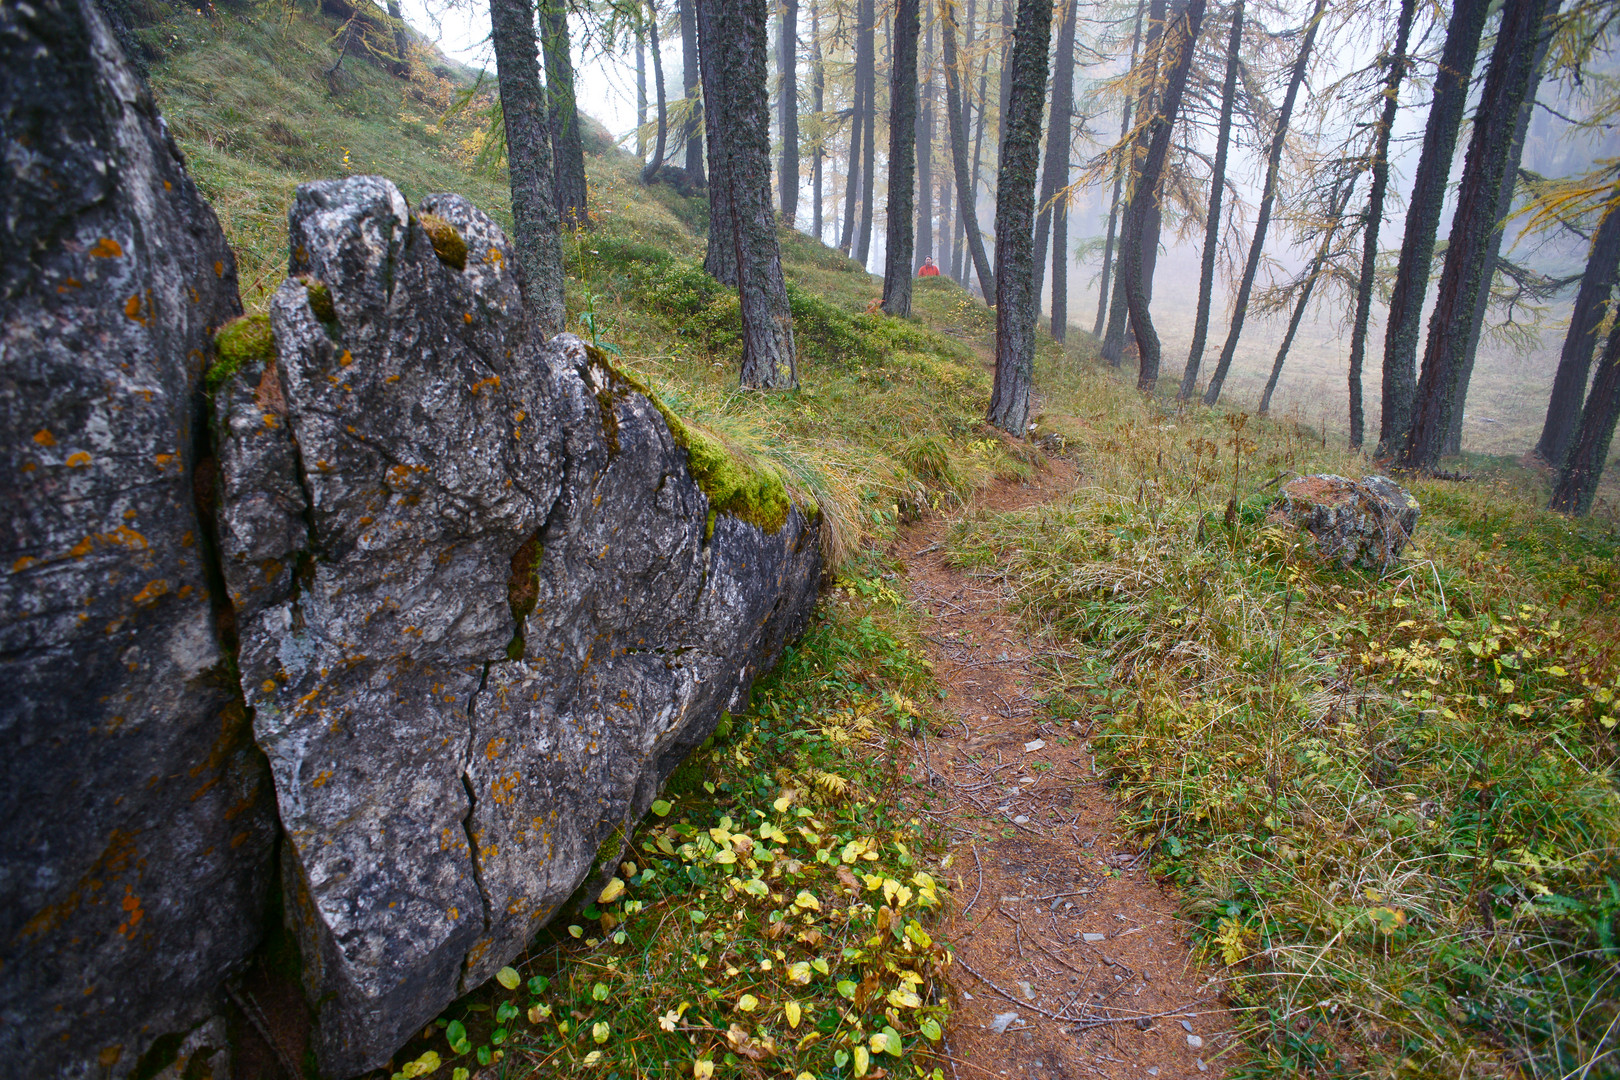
<point x="1194" y="1042"/>
<point x="1002" y="1022"/>
<point x="1362" y="523"/>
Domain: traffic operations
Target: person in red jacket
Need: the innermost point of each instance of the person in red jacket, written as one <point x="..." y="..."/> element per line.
<point x="928" y="268"/>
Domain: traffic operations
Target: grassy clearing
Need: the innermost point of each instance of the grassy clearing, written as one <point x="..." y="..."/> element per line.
<point x="775" y="916"/>
<point x="1389" y="801"/>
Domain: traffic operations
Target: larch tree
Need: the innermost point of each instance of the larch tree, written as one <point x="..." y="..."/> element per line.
<point x="720" y="258"/>
<point x="735" y="56"/>
<point x="1268" y="200"/>
<point x="528" y="156"/>
<point x="1507" y="81"/>
<point x="650" y="172"/>
<point x="1217" y="192"/>
<point x="925" y="150"/>
<point x="1576" y="487"/>
<point x="857" y="124"/>
<point x="1178" y="43"/>
<point x="1403" y="320"/>
<point x="900" y="236"/>
<point x="567" y="145"/>
<point x="641" y="93"/>
<point x="1017" y="307"/>
<point x="787" y="110"/>
<point x="1119" y="179"/>
<point x="818" y="103"/>
<point x="866" y="71"/>
<point x="1055" y="171"/>
<point x="1397" y="61"/>
<point x="957" y="119"/>
<point x="691" y="136"/>
<point x="1575" y="358"/>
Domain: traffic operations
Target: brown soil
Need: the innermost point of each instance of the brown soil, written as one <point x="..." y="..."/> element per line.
<point x="1056" y="918"/>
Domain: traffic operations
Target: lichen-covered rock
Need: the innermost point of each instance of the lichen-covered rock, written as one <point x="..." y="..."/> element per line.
<point x="483" y="609"/>
<point x="135" y="814"/>
<point x="1364" y="522"/>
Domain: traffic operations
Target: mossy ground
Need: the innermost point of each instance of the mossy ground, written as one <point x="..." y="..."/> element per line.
<point x="1400" y="848"/>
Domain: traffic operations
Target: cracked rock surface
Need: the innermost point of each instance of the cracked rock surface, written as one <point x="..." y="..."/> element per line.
<point x="136" y="821"/>
<point x="482" y="615"/>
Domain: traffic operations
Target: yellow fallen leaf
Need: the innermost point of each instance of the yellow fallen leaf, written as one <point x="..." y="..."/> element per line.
<point x="747" y="1003"/>
<point x="702" y="1069"/>
<point x="614" y="890"/>
<point x="792" y="1011"/>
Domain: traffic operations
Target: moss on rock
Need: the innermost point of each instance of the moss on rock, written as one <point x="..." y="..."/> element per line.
<point x="239" y="341"/>
<point x="320" y="300"/>
<point x="448" y="244"/>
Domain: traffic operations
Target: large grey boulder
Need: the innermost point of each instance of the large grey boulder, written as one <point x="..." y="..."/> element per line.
<point x="136" y="821"/>
<point x="484" y="607"/>
<point x="1364" y="522"/>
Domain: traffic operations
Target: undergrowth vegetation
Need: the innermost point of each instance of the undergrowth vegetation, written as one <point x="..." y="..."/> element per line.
<point x="1388" y="798"/>
<point x="774" y="915"/>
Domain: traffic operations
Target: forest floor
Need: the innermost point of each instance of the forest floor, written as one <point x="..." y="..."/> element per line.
<point x="1070" y="959"/>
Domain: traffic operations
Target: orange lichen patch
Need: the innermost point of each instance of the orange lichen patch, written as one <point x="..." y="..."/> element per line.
<point x="219" y="268"/>
<point x="23" y="563"/>
<point x="239" y="839"/>
<point x="132" y="308"/>
<point x="107" y="248"/>
<point x="321" y="778"/>
<point x="70" y="283"/>
<point x="493" y="380"/>
<point x="392" y="379"/>
<point x="502" y="787"/>
<point x="188" y="538"/>
<point x="44" y="437"/>
<point x="493" y="750"/>
<point x="152" y="591"/>
<point x="346" y="359"/>
<point x="494" y="258"/>
<point x="110" y="1054"/>
<point x="454" y="913"/>
<point x="114" y="859"/>
<point x="77" y="459"/>
<point x="162" y="460"/>
<point x="467" y="316"/>
<point x="82" y="548"/>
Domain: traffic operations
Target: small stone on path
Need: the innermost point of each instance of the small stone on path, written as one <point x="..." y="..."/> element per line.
<point x="1002" y="1022"/>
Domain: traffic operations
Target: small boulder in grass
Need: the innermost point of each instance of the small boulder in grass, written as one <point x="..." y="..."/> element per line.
<point x="1364" y="522"/>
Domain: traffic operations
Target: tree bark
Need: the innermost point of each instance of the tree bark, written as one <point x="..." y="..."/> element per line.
<point x="947" y="221"/>
<point x="972" y="207"/>
<point x="925" y="152"/>
<point x="899" y="236"/>
<point x="1113" y="347"/>
<point x="1575" y="361"/>
<point x="818" y="102"/>
<point x="954" y="113"/>
<point x="1060" y="272"/>
<point x="721" y="258"/>
<point x="641" y="92"/>
<point x="866" y="62"/>
<point x="852" y="174"/>
<point x="1493" y="254"/>
<point x="690" y="133"/>
<point x="1268" y="200"/>
<point x="1017" y="305"/>
<point x="736" y="66"/>
<point x="1217" y="193"/>
<point x="1179" y="43"/>
<point x="567" y="147"/>
<point x="1495" y="118"/>
<point x="788" y="111"/>
<point x="1375" y="217"/>
<point x="1589" y="450"/>
<point x="1055" y="173"/>
<point x="1449" y="96"/>
<point x="660" y="143"/>
<point x="1119" y="177"/>
<point x="1339" y="203"/>
<point x="528" y="155"/>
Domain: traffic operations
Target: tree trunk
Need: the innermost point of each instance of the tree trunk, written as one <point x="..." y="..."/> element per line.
<point x="852" y="174"/>
<point x="721" y="258"/>
<point x="947" y="222"/>
<point x="1017" y="305"/>
<point x="641" y="93"/>
<point x="788" y="111"/>
<point x="1113" y="348"/>
<point x="1339" y="203"/>
<point x="1589" y="451"/>
<point x="818" y="102"/>
<point x="1449" y="96"/>
<point x="1575" y="361"/>
<point x="690" y="133"/>
<point x="1493" y="254"/>
<point x="1375" y="217"/>
<point x="400" y="62"/>
<point x="1119" y="177"/>
<point x="899" y="236"/>
<point x="866" y="62"/>
<point x="972" y="207"/>
<point x="1495" y="118"/>
<point x="954" y="114"/>
<point x="1179" y="43"/>
<point x="1217" y="193"/>
<point x="1268" y="199"/>
<point x="1060" y="272"/>
<point x="925" y="153"/>
<point x="528" y="155"/>
<point x="650" y="172"/>
<point x="736" y="65"/>
<point x="567" y="147"/>
<point x="1055" y="174"/>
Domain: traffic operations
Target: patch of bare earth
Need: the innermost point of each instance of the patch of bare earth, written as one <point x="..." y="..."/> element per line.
<point x="1070" y="960"/>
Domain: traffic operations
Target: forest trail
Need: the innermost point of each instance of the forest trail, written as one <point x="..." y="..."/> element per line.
<point x="1056" y="919"/>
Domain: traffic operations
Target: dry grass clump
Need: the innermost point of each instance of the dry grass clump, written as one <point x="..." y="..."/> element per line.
<point x="1389" y="799"/>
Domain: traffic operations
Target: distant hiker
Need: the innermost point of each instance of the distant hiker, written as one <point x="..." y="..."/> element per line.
<point x="928" y="268"/>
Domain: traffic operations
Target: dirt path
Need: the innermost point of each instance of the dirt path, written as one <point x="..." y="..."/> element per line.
<point x="1055" y="920"/>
